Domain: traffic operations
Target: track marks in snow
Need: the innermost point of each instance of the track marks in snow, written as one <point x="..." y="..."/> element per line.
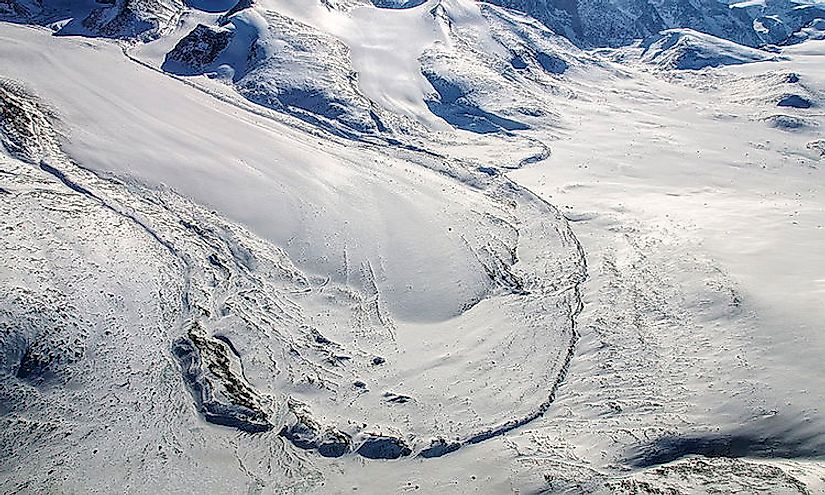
<point x="257" y="314"/>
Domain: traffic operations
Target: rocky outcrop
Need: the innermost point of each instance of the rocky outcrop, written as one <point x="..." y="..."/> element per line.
<point x="306" y="433"/>
<point x="197" y="50"/>
<point x="220" y="392"/>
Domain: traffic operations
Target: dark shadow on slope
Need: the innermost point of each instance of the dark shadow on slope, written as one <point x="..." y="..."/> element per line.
<point x="308" y="436"/>
<point x="397" y="4"/>
<point x="69" y="14"/>
<point x="551" y="63"/>
<point x="113" y="21"/>
<point x="454" y="107"/>
<point x="318" y="108"/>
<point x="789" y="444"/>
<point x="212" y="6"/>
<point x="789" y="123"/>
<point x="518" y="62"/>
<point x="794" y="101"/>
<point x="380" y="447"/>
<point x="438" y="448"/>
<point x="473" y="119"/>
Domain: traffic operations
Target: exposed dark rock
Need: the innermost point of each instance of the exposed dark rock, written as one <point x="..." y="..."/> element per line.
<point x="818" y="147"/>
<point x="397" y="398"/>
<point x="601" y="23"/>
<point x="197" y="50"/>
<point x="39" y="341"/>
<point x="307" y="434"/>
<point x="439" y="447"/>
<point x="221" y="395"/>
<point x="381" y="447"/>
<point x="21" y="117"/>
<point x="319" y="338"/>
<point x="794" y="101"/>
<point x="123" y="19"/>
<point x="128" y="19"/>
<point x="551" y="63"/>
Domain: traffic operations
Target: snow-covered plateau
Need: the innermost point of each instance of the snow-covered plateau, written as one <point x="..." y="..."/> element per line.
<point x="412" y="246"/>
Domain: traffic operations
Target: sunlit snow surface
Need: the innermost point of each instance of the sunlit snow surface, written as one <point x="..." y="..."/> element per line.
<point x="557" y="270"/>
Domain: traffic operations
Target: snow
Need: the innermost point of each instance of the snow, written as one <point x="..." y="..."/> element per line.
<point x="386" y="59"/>
<point x="368" y="237"/>
<point x="256" y="185"/>
<point x="623" y="292"/>
<point x="738" y="210"/>
<point x="688" y="49"/>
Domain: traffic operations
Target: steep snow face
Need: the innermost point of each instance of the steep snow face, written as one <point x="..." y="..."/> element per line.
<point x="496" y="71"/>
<point x="386" y="59"/>
<point x="292" y="67"/>
<point x="329" y="67"/>
<point x="290" y="175"/>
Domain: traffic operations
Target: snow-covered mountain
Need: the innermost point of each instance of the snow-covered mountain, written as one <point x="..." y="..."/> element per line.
<point x="598" y="23"/>
<point x="776" y="21"/>
<point x="143" y="19"/>
<point x="687" y="49"/>
<point x="386" y="246"/>
<point x="587" y="23"/>
<point x="619" y="22"/>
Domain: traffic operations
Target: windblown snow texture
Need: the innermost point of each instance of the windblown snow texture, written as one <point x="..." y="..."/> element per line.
<point x="326" y="246"/>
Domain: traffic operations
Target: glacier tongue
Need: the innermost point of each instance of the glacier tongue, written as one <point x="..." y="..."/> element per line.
<point x="348" y="321"/>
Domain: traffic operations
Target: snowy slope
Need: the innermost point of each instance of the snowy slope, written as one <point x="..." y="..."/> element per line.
<point x="683" y="49"/>
<point x="319" y="247"/>
<point x="367" y="241"/>
<point x="724" y="211"/>
<point x="327" y="67"/>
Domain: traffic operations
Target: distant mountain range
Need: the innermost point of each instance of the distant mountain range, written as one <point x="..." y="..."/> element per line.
<point x="587" y="23"/>
<point x="601" y="23"/>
